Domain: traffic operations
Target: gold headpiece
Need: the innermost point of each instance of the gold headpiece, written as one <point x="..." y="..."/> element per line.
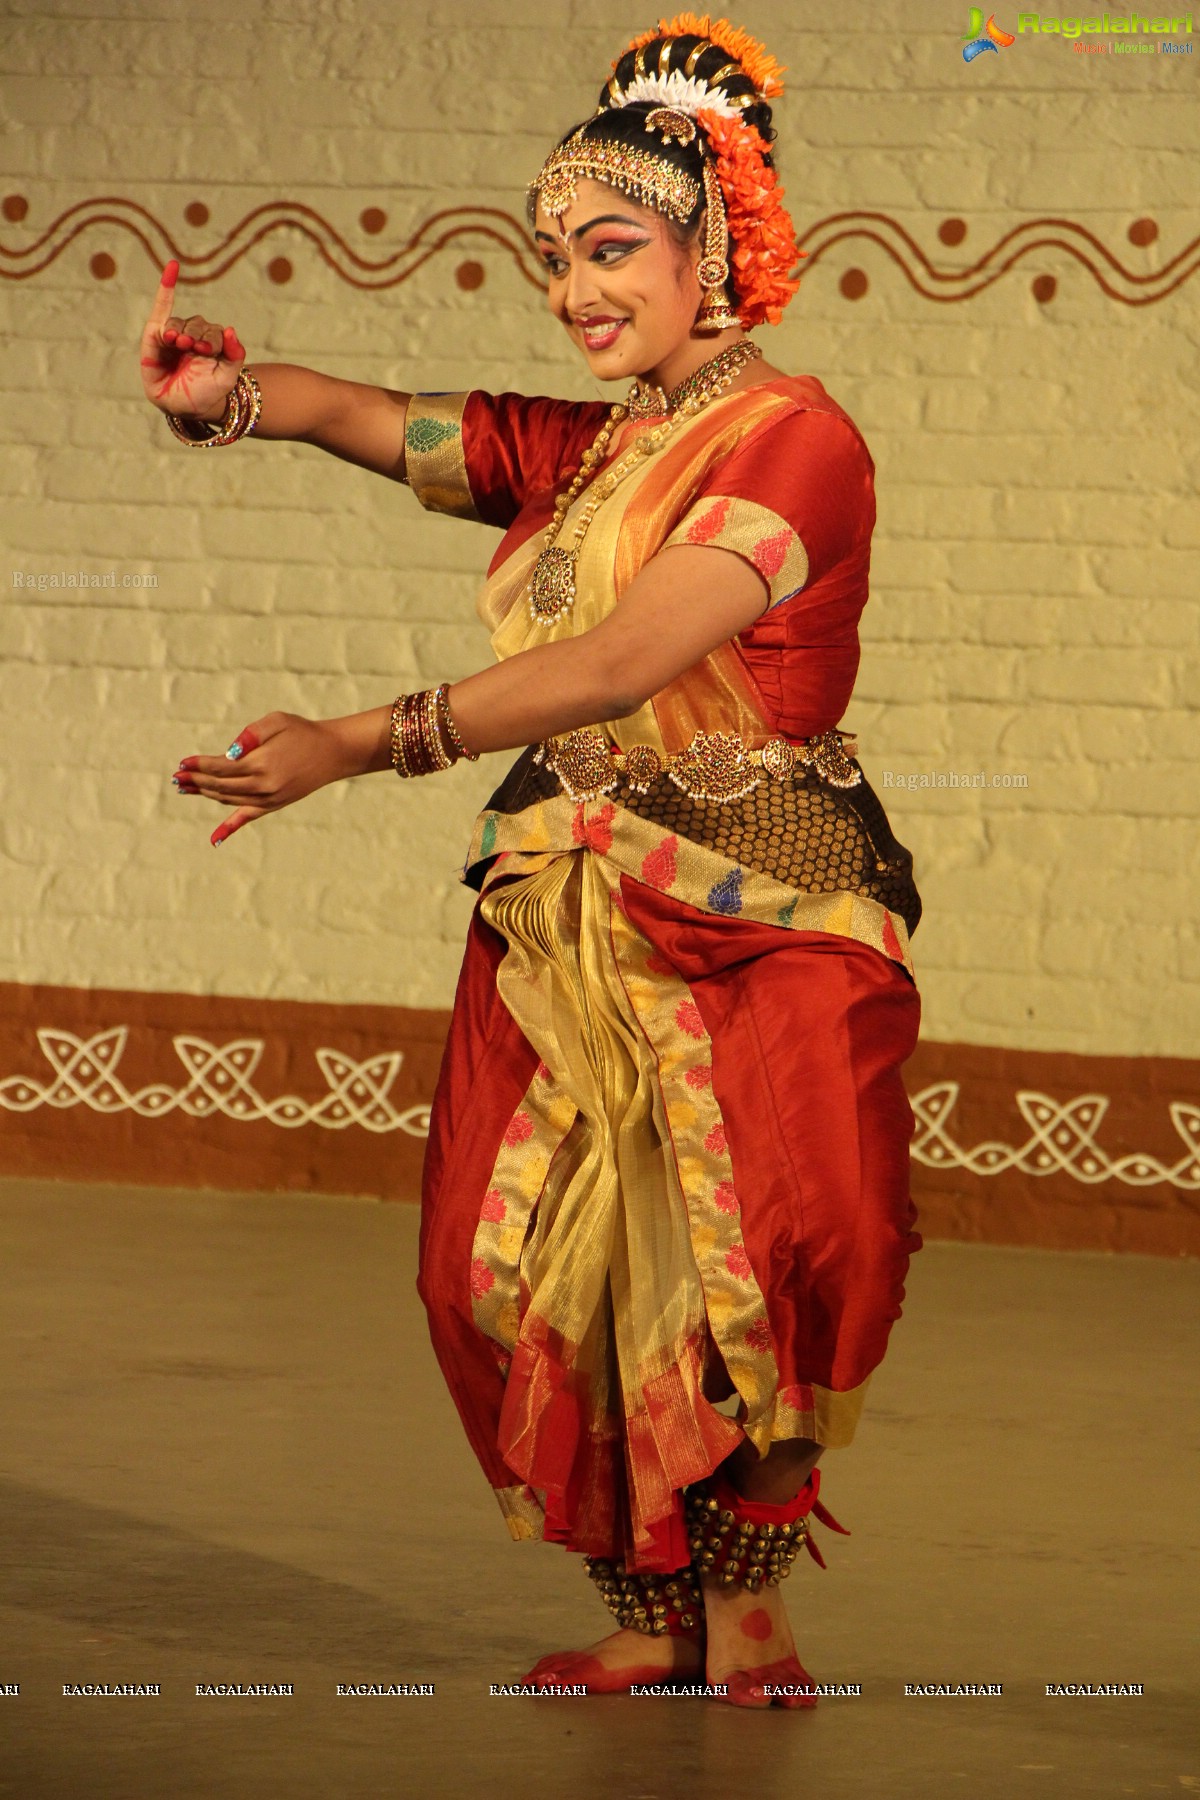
<point x="671" y="123"/>
<point x="640" y="173"/>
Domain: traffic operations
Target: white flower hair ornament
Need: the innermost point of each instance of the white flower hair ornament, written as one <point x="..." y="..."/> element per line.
<point x="683" y="93"/>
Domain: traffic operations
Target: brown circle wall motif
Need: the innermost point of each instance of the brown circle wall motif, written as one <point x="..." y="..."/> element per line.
<point x="475" y="228"/>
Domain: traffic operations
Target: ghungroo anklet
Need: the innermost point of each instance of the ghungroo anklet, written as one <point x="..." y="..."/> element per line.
<point x="658" y="1605"/>
<point x="752" y="1542"/>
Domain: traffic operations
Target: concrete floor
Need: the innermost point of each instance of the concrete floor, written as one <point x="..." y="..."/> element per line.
<point x="228" y="1456"/>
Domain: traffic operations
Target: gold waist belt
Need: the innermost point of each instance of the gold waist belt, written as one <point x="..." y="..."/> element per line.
<point x="717" y="765"/>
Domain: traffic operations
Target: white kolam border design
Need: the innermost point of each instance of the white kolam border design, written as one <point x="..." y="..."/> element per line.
<point x="219" y="1081"/>
<point x="1061" y="1141"/>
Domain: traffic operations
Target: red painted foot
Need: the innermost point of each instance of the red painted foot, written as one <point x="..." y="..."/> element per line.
<point x="788" y="1681"/>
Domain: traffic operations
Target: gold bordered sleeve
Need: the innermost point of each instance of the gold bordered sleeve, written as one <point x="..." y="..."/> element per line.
<point x="767" y="542"/>
<point x="486" y="456"/>
<point x="796" y="500"/>
<point x="435" y="462"/>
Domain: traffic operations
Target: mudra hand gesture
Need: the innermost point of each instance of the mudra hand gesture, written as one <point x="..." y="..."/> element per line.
<point x="189" y="366"/>
<point x="271" y="763"/>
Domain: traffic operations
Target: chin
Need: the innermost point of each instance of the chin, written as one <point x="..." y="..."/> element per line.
<point x="611" y="365"/>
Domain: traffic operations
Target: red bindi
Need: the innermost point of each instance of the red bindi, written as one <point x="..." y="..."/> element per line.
<point x="757" y="1625"/>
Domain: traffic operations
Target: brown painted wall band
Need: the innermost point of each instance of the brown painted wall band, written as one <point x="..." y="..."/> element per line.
<point x="1011" y="1146"/>
<point x="461" y="227"/>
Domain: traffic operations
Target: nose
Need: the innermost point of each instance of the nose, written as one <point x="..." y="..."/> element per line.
<point x="580" y="288"/>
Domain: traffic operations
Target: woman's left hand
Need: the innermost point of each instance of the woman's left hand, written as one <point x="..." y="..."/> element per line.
<point x="276" y="760"/>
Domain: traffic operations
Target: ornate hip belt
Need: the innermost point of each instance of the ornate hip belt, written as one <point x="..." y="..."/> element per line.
<point x="716" y="765"/>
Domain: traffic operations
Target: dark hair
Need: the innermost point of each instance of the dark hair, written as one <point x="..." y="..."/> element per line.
<point x="627" y="124"/>
<point x="736" y="87"/>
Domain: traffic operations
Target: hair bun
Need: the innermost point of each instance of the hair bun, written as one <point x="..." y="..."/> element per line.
<point x="753" y="60"/>
<point x="692" y="73"/>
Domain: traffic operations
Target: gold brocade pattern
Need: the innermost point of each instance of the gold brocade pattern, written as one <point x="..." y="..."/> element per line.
<point x="767" y="542"/>
<point x="534" y="1134"/>
<point x="435" y="466"/>
<point x="523" y="1512"/>
<point x="607" y="1267"/>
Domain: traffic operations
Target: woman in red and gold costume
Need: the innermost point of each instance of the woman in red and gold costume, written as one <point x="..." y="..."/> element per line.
<point x="666" y="1218"/>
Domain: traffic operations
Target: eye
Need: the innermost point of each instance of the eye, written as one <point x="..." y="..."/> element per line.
<point x="610" y="253"/>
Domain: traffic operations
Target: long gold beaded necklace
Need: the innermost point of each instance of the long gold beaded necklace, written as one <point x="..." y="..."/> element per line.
<point x="552" y="590"/>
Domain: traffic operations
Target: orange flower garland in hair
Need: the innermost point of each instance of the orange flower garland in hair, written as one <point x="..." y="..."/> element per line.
<point x="763" y="248"/>
<point x="763" y="239"/>
<point x="746" y="51"/>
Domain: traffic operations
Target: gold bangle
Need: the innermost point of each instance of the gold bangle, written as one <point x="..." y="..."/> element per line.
<point x="198" y="432"/>
<point x="415" y="731"/>
<point x="411" y="755"/>
<point x="399" y="760"/>
<point x="240" y="416"/>
<point x="451" y="728"/>
<point x="435" y="749"/>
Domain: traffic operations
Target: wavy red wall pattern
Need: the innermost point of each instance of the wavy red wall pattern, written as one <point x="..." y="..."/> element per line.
<point x="456" y="230"/>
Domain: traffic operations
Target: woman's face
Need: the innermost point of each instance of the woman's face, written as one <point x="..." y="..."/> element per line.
<point x="621" y="284"/>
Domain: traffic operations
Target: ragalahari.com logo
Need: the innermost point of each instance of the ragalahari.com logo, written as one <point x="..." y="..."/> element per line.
<point x="984" y="37"/>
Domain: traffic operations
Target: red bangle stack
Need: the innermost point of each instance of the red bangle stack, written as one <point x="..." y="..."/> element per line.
<point x="424" y="736"/>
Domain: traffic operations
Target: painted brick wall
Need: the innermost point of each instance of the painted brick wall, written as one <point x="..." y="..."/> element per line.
<point x="1035" y="568"/>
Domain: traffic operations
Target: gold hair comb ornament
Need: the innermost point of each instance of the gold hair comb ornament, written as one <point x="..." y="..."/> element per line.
<point x="673" y="125"/>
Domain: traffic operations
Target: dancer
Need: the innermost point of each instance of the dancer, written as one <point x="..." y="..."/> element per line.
<point x="666" y="1214"/>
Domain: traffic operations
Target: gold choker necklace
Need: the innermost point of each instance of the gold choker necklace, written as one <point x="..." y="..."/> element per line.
<point x="551" y="589"/>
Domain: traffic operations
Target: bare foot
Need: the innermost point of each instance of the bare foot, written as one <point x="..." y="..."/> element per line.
<point x="751" y="1649"/>
<point x="615" y="1662"/>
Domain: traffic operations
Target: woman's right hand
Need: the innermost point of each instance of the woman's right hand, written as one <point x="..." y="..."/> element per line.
<point x="189" y="367"/>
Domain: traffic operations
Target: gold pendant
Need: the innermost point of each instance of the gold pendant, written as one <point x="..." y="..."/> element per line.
<point x="552" y="589"/>
<point x="646" y="402"/>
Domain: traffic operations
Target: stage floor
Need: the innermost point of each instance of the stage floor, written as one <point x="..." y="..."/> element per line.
<point x="228" y="1458"/>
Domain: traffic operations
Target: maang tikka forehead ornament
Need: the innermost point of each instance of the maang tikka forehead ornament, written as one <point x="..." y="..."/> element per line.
<point x="638" y="173"/>
<point x="746" y="223"/>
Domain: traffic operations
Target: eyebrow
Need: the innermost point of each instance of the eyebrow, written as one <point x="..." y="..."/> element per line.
<point x="582" y="230"/>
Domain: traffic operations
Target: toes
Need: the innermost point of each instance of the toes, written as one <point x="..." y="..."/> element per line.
<point x="550" y="1671"/>
<point x="743" y="1689"/>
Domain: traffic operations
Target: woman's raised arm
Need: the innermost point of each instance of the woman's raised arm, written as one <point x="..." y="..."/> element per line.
<point x="190" y="365"/>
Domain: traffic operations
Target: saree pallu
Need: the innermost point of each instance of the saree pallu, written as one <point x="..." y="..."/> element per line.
<point x="668" y="1157"/>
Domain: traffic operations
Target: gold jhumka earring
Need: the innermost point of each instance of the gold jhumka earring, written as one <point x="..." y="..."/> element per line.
<point x="713" y="271"/>
<point x="715" y="314"/>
